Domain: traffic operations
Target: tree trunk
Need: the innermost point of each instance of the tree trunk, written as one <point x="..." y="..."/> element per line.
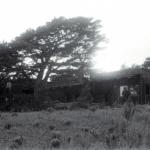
<point x="37" y="94"/>
<point x="37" y="89"/>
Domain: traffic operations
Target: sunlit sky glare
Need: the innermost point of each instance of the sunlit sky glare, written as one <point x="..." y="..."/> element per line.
<point x="126" y="24"/>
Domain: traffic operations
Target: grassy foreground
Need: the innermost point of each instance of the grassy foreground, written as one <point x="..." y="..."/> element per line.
<point x="98" y="129"/>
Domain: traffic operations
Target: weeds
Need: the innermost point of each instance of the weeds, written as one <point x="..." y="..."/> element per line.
<point x="16" y="142"/>
<point x="51" y="127"/>
<point x="14" y="115"/>
<point x="67" y="123"/>
<point x="8" y="126"/>
<point x="128" y="111"/>
<point x="106" y="128"/>
<point x="36" y="124"/>
<point x="55" y="143"/>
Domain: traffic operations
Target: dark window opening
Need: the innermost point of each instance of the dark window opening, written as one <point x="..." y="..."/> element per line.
<point x="147" y="90"/>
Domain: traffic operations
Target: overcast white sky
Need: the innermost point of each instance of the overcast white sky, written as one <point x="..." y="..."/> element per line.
<point x="126" y="24"/>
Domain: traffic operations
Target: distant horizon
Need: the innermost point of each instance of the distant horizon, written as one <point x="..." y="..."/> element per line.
<point x="125" y="23"/>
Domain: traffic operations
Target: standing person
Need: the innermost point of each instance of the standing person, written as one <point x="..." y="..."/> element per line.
<point x="126" y="94"/>
<point x="129" y="107"/>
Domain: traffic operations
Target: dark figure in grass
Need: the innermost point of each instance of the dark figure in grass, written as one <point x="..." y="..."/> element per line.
<point x="126" y="94"/>
<point x="129" y="107"/>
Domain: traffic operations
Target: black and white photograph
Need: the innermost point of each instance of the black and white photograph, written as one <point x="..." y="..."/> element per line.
<point x="74" y="74"/>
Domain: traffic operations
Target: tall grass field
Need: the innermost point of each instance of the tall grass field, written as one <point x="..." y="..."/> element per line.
<point x="80" y="129"/>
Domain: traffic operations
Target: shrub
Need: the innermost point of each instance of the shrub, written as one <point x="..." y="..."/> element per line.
<point x="128" y="111"/>
<point x="94" y="133"/>
<point x="8" y="126"/>
<point x="14" y="114"/>
<point x="51" y="127"/>
<point x="78" y="105"/>
<point x="16" y="142"/>
<point x="60" y="106"/>
<point x="85" y="129"/>
<point x="55" y="143"/>
<point x="92" y="108"/>
<point x="36" y="124"/>
<point x="112" y="137"/>
<point x="69" y="139"/>
<point x="50" y="109"/>
<point x="14" y="146"/>
<point x="67" y="123"/>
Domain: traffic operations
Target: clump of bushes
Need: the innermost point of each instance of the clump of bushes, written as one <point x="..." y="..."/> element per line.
<point x="36" y="124"/>
<point x="128" y="111"/>
<point x="14" y="115"/>
<point x="78" y="105"/>
<point x="55" y="143"/>
<point x="51" y="127"/>
<point x="16" y="142"/>
<point x="85" y="129"/>
<point x="61" y="106"/>
<point x="67" y="123"/>
<point x="92" y="108"/>
<point x="50" y="109"/>
<point x="8" y="126"/>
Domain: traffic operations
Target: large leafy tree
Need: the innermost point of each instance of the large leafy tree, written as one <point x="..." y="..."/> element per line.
<point x="62" y="45"/>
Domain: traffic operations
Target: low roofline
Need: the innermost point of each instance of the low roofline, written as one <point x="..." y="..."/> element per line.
<point x="126" y="73"/>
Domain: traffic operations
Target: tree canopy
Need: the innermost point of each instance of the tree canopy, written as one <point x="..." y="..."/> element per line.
<point x="61" y="47"/>
<point x="8" y="61"/>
